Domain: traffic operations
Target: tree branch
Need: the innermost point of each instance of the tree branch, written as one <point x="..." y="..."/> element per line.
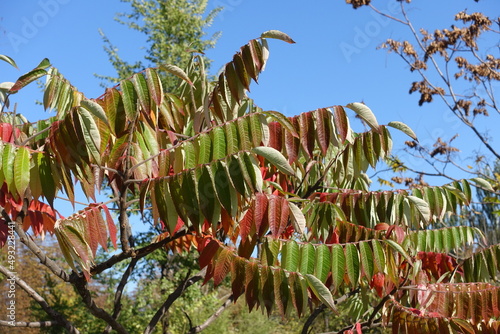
<point x="213" y="317"/>
<point x="173" y="297"/>
<point x="323" y="307"/>
<point x="80" y="285"/>
<point x="119" y="292"/>
<point x="135" y="253"/>
<point x="39" y="299"/>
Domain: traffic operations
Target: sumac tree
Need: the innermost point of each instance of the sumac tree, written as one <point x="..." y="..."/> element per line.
<point x="281" y="205"/>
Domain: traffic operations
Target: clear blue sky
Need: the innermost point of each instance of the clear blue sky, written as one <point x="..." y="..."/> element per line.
<point x="335" y="60"/>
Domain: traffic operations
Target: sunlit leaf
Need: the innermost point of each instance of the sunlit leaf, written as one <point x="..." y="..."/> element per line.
<point x="276" y="158"/>
<point x="403" y="128"/>
<point x="320" y="290"/>
<point x="177" y="71"/>
<point x="364" y="113"/>
<point x="8" y="60"/>
<point x="22" y="170"/>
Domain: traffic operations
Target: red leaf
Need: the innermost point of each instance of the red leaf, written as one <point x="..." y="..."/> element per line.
<point x="237" y="277"/>
<point x="341" y="122"/>
<point x="382" y="227"/>
<point x="101" y="227"/>
<point x="400" y="233"/>
<point x="377" y="283"/>
<point x="90" y="222"/>
<point x="274" y="213"/>
<point x="285" y="213"/>
<point x="252" y="279"/>
<point x="260" y="212"/>
<point x="306" y="126"/>
<point x="323" y="129"/>
<point x="222" y="265"/>
<point x="292" y="143"/>
<point x="278" y="213"/>
<point x="358" y="328"/>
<point x="111" y="225"/>
<point x="246" y="223"/>
<point x="4" y="232"/>
<point x="208" y="253"/>
<point x="275" y="136"/>
<point x="6" y="132"/>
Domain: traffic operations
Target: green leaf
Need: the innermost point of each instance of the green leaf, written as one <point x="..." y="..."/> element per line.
<point x="397" y="247"/>
<point x="205" y="148"/>
<point x="378" y="256"/>
<point x="421" y="206"/>
<point x="22" y="170"/>
<point x="365" y="113"/>
<point x="219" y="143"/>
<point x="48" y="183"/>
<point x="189" y="155"/>
<point x="177" y="72"/>
<point x="91" y="134"/>
<point x="404" y="128"/>
<point x="244" y="134"/>
<point x="338" y="266"/>
<point x="154" y="85"/>
<point x="9" y="154"/>
<point x="43" y="64"/>
<point x="482" y="183"/>
<point x="8" y="60"/>
<point x="141" y="87"/>
<point x="366" y="256"/>
<point x="222" y="185"/>
<point x="323" y="262"/>
<point x="276" y="158"/>
<point x="352" y="263"/>
<point x="307" y="259"/>
<point x="129" y="98"/>
<point x="95" y="109"/>
<point x="27" y="79"/>
<point x="321" y="291"/>
<point x="276" y="34"/>
<point x="290" y="256"/>
<point x="231" y="138"/>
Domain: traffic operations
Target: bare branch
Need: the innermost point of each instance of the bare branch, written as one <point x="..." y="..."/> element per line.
<point x="386" y="15"/>
<point x="213" y="317"/>
<point x="135" y="253"/>
<point x="39" y="299"/>
<point x="173" y="297"/>
<point x="81" y="286"/>
<point x="119" y="292"/>
<point x="322" y="307"/>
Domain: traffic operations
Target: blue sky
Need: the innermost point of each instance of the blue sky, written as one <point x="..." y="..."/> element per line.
<point x="334" y="61"/>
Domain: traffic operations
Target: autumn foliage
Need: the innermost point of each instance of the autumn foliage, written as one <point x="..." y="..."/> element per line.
<point x="282" y="205"/>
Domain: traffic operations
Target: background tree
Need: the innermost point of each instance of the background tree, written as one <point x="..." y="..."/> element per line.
<point x="458" y="67"/>
<point x="173" y="31"/>
<point x="280" y="204"/>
